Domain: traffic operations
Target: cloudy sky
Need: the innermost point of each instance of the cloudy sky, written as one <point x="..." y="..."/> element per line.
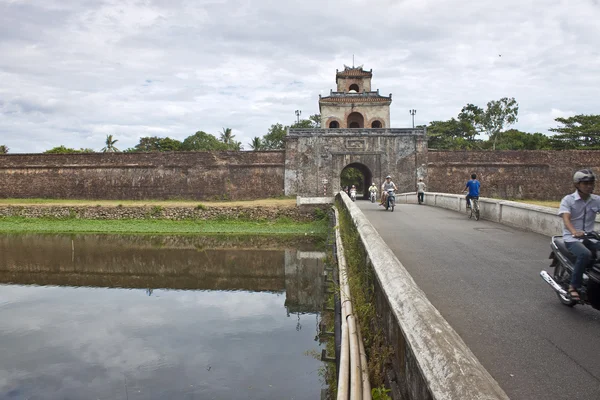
<point x="74" y="71"/>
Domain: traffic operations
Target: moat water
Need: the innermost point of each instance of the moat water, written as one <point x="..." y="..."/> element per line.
<point x="159" y="317"/>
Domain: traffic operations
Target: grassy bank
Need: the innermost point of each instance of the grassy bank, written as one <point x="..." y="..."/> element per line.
<point x="45" y="225"/>
<point x="544" y="203"/>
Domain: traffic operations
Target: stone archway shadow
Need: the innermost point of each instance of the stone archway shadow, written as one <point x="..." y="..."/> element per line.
<point x="367" y="178"/>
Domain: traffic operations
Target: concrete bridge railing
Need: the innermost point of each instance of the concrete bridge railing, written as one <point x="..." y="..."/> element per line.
<point x="430" y="360"/>
<point x="530" y="217"/>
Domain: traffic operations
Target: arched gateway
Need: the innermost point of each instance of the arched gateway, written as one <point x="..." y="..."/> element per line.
<point x="315" y="158"/>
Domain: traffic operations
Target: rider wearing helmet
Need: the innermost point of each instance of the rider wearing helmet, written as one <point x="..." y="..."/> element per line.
<point x="578" y="211"/>
<point x="388" y="184"/>
<point x="373" y="189"/>
<point x="353" y="192"/>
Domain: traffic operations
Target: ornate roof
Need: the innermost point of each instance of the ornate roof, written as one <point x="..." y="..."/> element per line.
<point x="351" y="72"/>
<point x="366" y="97"/>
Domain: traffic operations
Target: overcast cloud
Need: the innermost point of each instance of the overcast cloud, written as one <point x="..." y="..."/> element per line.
<point x="74" y="71"/>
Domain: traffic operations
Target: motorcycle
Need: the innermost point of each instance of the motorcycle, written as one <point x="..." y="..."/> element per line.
<point x="563" y="262"/>
<point x="373" y="197"/>
<point x="353" y="195"/>
<point x="391" y="200"/>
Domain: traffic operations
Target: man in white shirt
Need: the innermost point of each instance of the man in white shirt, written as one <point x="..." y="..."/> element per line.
<point x="421" y="190"/>
<point x="578" y="211"/>
<point x="385" y="186"/>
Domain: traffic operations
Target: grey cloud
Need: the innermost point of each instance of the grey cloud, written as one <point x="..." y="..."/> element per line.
<point x="209" y="61"/>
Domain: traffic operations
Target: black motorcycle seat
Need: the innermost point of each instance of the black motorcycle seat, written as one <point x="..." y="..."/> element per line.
<point x="560" y="243"/>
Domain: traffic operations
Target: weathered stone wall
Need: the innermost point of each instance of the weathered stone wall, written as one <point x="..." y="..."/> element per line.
<point x="169" y="175"/>
<point x="312" y="155"/>
<point x="535" y="174"/>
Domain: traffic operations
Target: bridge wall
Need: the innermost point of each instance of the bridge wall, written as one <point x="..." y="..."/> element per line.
<point x="529" y="217"/>
<point x="430" y="361"/>
<point x="136" y="176"/>
<point x="535" y="174"/>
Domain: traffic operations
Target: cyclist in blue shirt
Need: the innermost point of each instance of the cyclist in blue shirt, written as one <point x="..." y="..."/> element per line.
<point x="473" y="188"/>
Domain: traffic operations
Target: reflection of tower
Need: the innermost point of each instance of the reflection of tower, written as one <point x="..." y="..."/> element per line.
<point x="304" y="281"/>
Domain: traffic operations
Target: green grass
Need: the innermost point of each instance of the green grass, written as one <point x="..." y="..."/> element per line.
<point x="71" y="225"/>
<point x="544" y="203"/>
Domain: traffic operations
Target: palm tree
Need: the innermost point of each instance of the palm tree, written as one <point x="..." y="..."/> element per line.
<point x="3" y="149"/>
<point x="256" y="144"/>
<point x="110" y="145"/>
<point x="227" y="135"/>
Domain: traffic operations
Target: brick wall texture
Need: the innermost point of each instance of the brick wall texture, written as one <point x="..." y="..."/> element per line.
<point x="536" y="174"/>
<point x="162" y="176"/>
<point x="543" y="175"/>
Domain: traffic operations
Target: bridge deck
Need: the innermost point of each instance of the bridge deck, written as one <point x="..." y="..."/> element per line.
<point x="483" y="278"/>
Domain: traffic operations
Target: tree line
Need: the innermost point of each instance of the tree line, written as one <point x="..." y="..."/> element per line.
<point x="464" y="132"/>
<point x="474" y="128"/>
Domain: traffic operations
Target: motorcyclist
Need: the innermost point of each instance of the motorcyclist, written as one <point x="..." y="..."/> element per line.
<point x="388" y="184"/>
<point x="578" y="211"/>
<point x="353" y="192"/>
<point x="373" y="189"/>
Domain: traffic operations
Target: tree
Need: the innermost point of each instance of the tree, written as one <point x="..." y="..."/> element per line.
<point x="514" y="139"/>
<point x="235" y="146"/>
<point x="314" y="121"/>
<point x="3" y="149"/>
<point x="202" y="141"/>
<point x="451" y="135"/>
<point x="155" y="143"/>
<point x="256" y="144"/>
<point x="275" y="138"/>
<point x="66" y="150"/>
<point x="110" y="145"/>
<point x="578" y="132"/>
<point x="491" y="121"/>
<point x="227" y="135"/>
<point x="352" y="176"/>
<point x="302" y="124"/>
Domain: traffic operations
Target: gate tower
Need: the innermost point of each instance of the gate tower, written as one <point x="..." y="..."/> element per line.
<point x="355" y="133"/>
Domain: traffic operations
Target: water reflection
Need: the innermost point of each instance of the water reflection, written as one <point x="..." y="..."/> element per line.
<point x="244" y="334"/>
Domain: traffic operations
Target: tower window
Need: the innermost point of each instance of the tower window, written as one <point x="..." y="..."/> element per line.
<point x="376" y="124"/>
<point x="354" y="87"/>
<point x="334" y="124"/>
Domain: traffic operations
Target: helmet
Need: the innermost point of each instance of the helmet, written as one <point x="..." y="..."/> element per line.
<point x="353" y="186"/>
<point x="388" y="177"/>
<point x="584" y="175"/>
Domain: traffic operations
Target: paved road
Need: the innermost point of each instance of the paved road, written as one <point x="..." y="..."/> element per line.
<point x="483" y="278"/>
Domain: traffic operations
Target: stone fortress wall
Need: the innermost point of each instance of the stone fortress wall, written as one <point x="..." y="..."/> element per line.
<point x="162" y="176"/>
<point x="544" y="175"/>
<point x="512" y="174"/>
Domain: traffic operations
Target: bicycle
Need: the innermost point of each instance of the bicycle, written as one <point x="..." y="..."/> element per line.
<point x="474" y="208"/>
